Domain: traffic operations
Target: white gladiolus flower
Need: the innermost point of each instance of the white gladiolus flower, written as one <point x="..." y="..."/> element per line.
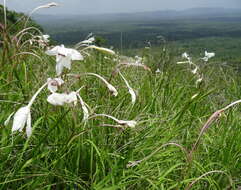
<point x="62" y="62"/>
<point x="88" y="41"/>
<point x="20" y="118"/>
<point x="23" y="115"/>
<point x="131" y="91"/>
<point x="185" y="55"/>
<point x="158" y="71"/>
<point x="198" y="81"/>
<point x="43" y="40"/>
<point x="59" y="99"/>
<point x="194" y="71"/>
<point x="208" y="56"/>
<point x="71" y="98"/>
<point x="64" y="56"/>
<point x="130" y="123"/>
<point x="53" y="84"/>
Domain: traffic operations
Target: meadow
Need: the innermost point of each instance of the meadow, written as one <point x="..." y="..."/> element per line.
<point x="184" y="136"/>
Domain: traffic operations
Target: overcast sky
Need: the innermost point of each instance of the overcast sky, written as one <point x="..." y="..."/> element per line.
<point x="116" y="6"/>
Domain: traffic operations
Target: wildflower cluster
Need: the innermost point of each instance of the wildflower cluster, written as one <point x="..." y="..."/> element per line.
<point x="194" y="68"/>
<point x="64" y="59"/>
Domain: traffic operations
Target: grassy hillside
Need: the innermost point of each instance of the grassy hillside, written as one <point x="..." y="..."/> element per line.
<point x="185" y="136"/>
<point x="65" y="152"/>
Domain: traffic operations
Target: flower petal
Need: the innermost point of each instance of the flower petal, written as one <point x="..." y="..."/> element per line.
<point x="57" y="99"/>
<point x="20" y="118"/>
<point x="29" y="128"/>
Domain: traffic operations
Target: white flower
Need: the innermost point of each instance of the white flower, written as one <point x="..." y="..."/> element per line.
<point x="20" y="118"/>
<point x="208" y="56"/>
<point x="158" y="71"/>
<point x="53" y="84"/>
<point x="64" y="56"/>
<point x="61" y="62"/>
<point x="59" y="99"/>
<point x="185" y="55"/>
<point x="131" y="91"/>
<point x="130" y="123"/>
<point x="71" y="98"/>
<point x="194" y="71"/>
<point x="23" y="115"/>
<point x="198" y="81"/>
<point x="43" y="40"/>
<point x="88" y="41"/>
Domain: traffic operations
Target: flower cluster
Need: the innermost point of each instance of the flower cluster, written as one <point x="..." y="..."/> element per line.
<point x="194" y="68"/>
<point x="64" y="58"/>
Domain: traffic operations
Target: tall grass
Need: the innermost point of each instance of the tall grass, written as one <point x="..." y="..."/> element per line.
<point x="161" y="152"/>
<point x="65" y="153"/>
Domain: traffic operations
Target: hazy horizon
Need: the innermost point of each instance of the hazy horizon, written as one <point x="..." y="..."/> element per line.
<point x="117" y="6"/>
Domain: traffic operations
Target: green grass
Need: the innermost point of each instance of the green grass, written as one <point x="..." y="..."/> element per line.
<point x="66" y="153"/>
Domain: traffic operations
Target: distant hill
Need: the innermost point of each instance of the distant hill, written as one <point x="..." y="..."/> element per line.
<point x="155" y="15"/>
<point x="136" y="29"/>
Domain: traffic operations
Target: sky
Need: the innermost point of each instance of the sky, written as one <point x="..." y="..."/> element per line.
<point x="115" y="6"/>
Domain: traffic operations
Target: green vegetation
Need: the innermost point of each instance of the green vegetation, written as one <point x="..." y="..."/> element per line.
<point x="171" y="109"/>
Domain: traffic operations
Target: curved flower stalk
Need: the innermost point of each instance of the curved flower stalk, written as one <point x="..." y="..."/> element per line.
<point x="131" y="91"/>
<point x="24" y="32"/>
<point x="48" y="5"/>
<point x="23" y="115"/>
<point x="87" y="42"/>
<point x="106" y="50"/>
<point x="111" y="88"/>
<point x="64" y="56"/>
<point x="125" y="123"/>
<point x="53" y="84"/>
<point x="84" y="108"/>
<point x="128" y="64"/>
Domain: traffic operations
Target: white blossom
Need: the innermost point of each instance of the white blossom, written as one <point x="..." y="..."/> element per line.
<point x="59" y="99"/>
<point x="20" y="118"/>
<point x="208" y="55"/>
<point x="158" y="71"/>
<point x="131" y="91"/>
<point x="53" y="84"/>
<point x="64" y="56"/>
